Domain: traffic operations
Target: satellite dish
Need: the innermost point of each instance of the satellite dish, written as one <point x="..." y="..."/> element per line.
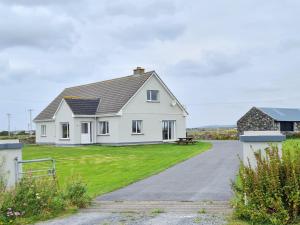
<point x="173" y="103"/>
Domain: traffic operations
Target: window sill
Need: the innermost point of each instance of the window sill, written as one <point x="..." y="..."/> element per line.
<point x="151" y="101"/>
<point x="137" y="133"/>
<point x="64" y="139"/>
<point x="103" y="134"/>
<point x="43" y="136"/>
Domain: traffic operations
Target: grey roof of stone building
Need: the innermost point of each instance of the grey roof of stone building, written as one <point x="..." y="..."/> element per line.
<point x="114" y="94"/>
<point x="80" y="106"/>
<point x="282" y="114"/>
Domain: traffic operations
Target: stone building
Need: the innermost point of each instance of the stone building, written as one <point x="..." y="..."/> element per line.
<point x="269" y="119"/>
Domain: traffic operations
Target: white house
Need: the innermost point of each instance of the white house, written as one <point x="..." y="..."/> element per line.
<point x="129" y="110"/>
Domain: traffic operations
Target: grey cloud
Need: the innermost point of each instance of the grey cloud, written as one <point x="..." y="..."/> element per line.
<point x="36" y="27"/>
<point x="37" y="2"/>
<point x="289" y="45"/>
<point x="10" y="73"/>
<point x="72" y="70"/>
<point x="260" y="89"/>
<point x="136" y="35"/>
<point x="211" y="65"/>
<point x="148" y="9"/>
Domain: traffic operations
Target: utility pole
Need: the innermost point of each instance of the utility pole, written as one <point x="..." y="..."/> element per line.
<point x="30" y="121"/>
<point x="8" y="123"/>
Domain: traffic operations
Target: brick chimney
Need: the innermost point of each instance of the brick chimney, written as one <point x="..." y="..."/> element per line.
<point x="138" y="71"/>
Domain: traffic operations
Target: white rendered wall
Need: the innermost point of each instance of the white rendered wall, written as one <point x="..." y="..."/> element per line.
<point x="7" y="158"/>
<point x="64" y="115"/>
<point x="50" y="133"/>
<point x="77" y="128"/>
<point x="250" y="148"/>
<point x="114" y="130"/>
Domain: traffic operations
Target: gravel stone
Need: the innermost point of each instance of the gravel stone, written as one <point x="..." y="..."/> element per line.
<point x="138" y="219"/>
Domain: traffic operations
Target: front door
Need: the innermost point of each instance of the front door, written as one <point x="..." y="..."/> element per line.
<point x="168" y="130"/>
<point x="86" y="133"/>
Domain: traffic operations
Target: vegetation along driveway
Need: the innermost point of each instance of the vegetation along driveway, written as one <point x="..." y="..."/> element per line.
<point x="203" y="177"/>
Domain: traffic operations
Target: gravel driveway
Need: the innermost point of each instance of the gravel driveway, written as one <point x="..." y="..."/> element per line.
<point x="203" y="177"/>
<point x="139" y="219"/>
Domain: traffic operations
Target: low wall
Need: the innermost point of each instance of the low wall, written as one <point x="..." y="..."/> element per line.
<point x="254" y="141"/>
<point x="10" y="150"/>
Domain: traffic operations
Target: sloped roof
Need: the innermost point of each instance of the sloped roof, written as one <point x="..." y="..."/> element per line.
<point x="114" y="94"/>
<point x="282" y="114"/>
<point x="81" y="106"/>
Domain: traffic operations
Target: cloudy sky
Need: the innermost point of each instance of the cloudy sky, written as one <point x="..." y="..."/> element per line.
<point x="218" y="57"/>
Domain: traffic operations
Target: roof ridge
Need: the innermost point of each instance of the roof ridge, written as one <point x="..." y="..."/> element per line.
<point x="78" y="98"/>
<point x="113" y="79"/>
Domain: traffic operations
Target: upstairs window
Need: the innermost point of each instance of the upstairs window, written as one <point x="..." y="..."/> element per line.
<point x="103" y="127"/>
<point x="65" y="130"/>
<point x="43" y="130"/>
<point x="152" y="95"/>
<point x="137" y="126"/>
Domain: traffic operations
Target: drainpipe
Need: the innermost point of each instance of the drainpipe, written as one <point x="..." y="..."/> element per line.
<point x="95" y="130"/>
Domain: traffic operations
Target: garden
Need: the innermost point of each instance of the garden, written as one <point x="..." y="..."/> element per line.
<point x="84" y="172"/>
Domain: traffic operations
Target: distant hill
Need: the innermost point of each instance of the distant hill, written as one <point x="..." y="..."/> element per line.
<point x="213" y="127"/>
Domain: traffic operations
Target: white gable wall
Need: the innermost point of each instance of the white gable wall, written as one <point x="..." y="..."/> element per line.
<point x="152" y="114"/>
<point x="63" y="115"/>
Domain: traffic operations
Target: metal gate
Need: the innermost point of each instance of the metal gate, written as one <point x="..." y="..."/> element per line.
<point x="40" y="168"/>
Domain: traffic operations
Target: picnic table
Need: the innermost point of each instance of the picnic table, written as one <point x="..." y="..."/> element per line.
<point x="186" y="140"/>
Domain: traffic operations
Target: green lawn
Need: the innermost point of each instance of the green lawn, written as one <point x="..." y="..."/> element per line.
<point x="106" y="168"/>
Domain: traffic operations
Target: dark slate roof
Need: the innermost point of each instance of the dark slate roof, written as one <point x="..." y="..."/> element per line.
<point x="81" y="106"/>
<point x="282" y="114"/>
<point x="114" y="94"/>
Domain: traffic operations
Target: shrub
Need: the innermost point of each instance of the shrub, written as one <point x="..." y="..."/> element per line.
<point x="32" y="197"/>
<point x="76" y="194"/>
<point x="293" y="135"/>
<point x="269" y="193"/>
<point x="39" y="198"/>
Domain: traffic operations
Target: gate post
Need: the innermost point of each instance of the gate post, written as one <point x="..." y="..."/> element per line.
<point x="10" y="153"/>
<point x="253" y="141"/>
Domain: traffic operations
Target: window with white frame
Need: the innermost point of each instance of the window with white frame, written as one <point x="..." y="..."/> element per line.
<point x="137" y="126"/>
<point x="43" y="130"/>
<point x="65" y="130"/>
<point x="152" y="95"/>
<point x="103" y="127"/>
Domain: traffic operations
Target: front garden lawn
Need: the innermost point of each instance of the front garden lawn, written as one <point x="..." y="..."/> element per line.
<point x="106" y="168"/>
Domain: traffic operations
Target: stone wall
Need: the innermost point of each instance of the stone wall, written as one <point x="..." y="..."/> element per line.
<point x="256" y="120"/>
<point x="297" y="126"/>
